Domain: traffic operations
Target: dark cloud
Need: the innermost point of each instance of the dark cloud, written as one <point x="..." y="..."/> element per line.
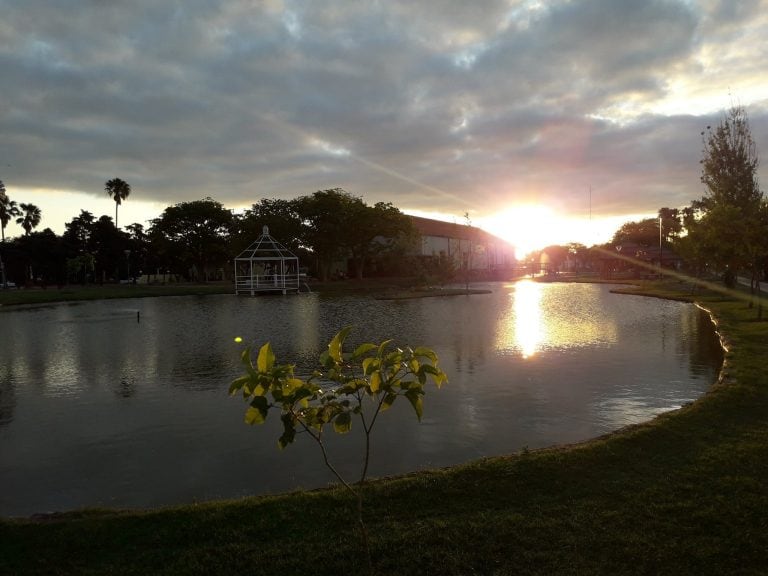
<point x="437" y="106"/>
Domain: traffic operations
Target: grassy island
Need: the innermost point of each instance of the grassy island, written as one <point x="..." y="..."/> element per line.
<point x="686" y="493"/>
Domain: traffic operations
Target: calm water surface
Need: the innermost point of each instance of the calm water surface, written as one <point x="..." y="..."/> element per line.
<point x="97" y="409"/>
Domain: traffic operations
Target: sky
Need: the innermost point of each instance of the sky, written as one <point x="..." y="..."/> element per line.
<point x="543" y="122"/>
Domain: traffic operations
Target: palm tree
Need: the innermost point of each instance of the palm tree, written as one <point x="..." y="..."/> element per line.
<point x="8" y="209"/>
<point x="29" y="217"/>
<point x="118" y="190"/>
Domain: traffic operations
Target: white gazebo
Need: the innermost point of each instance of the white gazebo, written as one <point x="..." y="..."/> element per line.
<point x="266" y="266"/>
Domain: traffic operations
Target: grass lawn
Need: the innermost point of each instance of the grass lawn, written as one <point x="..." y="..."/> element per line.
<point x="108" y="291"/>
<point x="686" y="493"/>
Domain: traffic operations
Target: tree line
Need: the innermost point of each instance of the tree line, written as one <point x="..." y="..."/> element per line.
<point x="198" y="240"/>
<point x="725" y="232"/>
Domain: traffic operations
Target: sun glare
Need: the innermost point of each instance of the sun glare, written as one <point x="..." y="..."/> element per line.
<point x="531" y="227"/>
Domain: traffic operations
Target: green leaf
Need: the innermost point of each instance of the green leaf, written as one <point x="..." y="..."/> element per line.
<point x="342" y="423"/>
<point x="266" y="359"/>
<point x="422" y="351"/>
<point x="334" y="347"/>
<point x="237" y="384"/>
<point x="438" y="376"/>
<point x="383" y="347"/>
<point x="389" y="399"/>
<point x="363" y="349"/>
<point x="289" y="431"/>
<point x="291" y="385"/>
<point x="245" y="358"/>
<point x="375" y="381"/>
<point x="369" y="365"/>
<point x="415" y="399"/>
<point x="257" y="412"/>
<point x="393" y="358"/>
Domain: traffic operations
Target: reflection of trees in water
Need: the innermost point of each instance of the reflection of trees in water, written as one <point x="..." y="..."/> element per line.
<point x="705" y="352"/>
<point x="127" y="387"/>
<point x="201" y="371"/>
<point x="7" y="398"/>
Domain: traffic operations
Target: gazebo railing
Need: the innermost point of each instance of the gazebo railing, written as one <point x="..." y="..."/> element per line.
<point x="266" y="282"/>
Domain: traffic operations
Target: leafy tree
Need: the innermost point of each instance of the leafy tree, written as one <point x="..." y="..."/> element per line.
<point x="8" y="209"/>
<point x="43" y="255"/>
<point x="108" y="246"/>
<point x="730" y="208"/>
<point x="327" y="216"/>
<point x="193" y="235"/>
<point x="356" y="386"/>
<point x="77" y="232"/>
<point x="280" y="216"/>
<point x="376" y="230"/>
<point x="94" y="248"/>
<point x="729" y="163"/>
<point x="81" y="263"/>
<point x="339" y="225"/>
<point x="118" y="190"/>
<point x="29" y="217"/>
<point x="645" y="232"/>
<point x="671" y="224"/>
<point x="139" y="247"/>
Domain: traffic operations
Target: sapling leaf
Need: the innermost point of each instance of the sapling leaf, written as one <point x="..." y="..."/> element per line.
<point x="383" y="346"/>
<point x="363" y="349"/>
<point x="289" y="431"/>
<point x="334" y="348"/>
<point x="421" y="351"/>
<point x="266" y="359"/>
<point x="237" y="384"/>
<point x="342" y="423"/>
<point x="414" y="397"/>
<point x="375" y="381"/>
<point x="257" y="411"/>
<point x="369" y="365"/>
<point x="389" y="399"/>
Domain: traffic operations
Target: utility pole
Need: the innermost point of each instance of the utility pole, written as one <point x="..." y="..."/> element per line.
<point x="661" y="248"/>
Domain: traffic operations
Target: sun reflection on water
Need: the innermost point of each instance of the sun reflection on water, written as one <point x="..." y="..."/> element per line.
<point x="540" y="319"/>
<point x="528" y="327"/>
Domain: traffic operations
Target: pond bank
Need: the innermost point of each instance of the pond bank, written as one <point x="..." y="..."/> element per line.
<point x="682" y="494"/>
<point x="377" y="287"/>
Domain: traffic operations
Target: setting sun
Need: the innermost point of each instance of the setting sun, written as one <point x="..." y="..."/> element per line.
<point x="531" y="227"/>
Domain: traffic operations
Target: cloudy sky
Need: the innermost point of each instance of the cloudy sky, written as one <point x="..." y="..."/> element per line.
<point x="494" y="108"/>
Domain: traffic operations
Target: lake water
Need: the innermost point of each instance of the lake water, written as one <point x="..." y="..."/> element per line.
<point x="99" y="409"/>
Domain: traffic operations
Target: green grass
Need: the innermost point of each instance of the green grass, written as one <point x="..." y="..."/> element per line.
<point x="108" y="291"/>
<point x="686" y="493"/>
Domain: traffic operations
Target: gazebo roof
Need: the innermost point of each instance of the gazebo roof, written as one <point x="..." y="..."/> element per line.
<point x="266" y="248"/>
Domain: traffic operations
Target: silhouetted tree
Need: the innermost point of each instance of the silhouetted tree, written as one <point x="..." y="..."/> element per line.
<point x="730" y="208"/>
<point x="193" y="234"/>
<point x="339" y="225"/>
<point x="118" y="190"/>
<point x="29" y="217"/>
<point x="280" y="216"/>
<point x="645" y="232"/>
<point x="8" y="209"/>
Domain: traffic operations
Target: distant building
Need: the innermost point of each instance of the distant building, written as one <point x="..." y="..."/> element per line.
<point x="467" y="246"/>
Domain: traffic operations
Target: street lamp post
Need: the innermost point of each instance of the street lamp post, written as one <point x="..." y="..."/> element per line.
<point x="128" y="264"/>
